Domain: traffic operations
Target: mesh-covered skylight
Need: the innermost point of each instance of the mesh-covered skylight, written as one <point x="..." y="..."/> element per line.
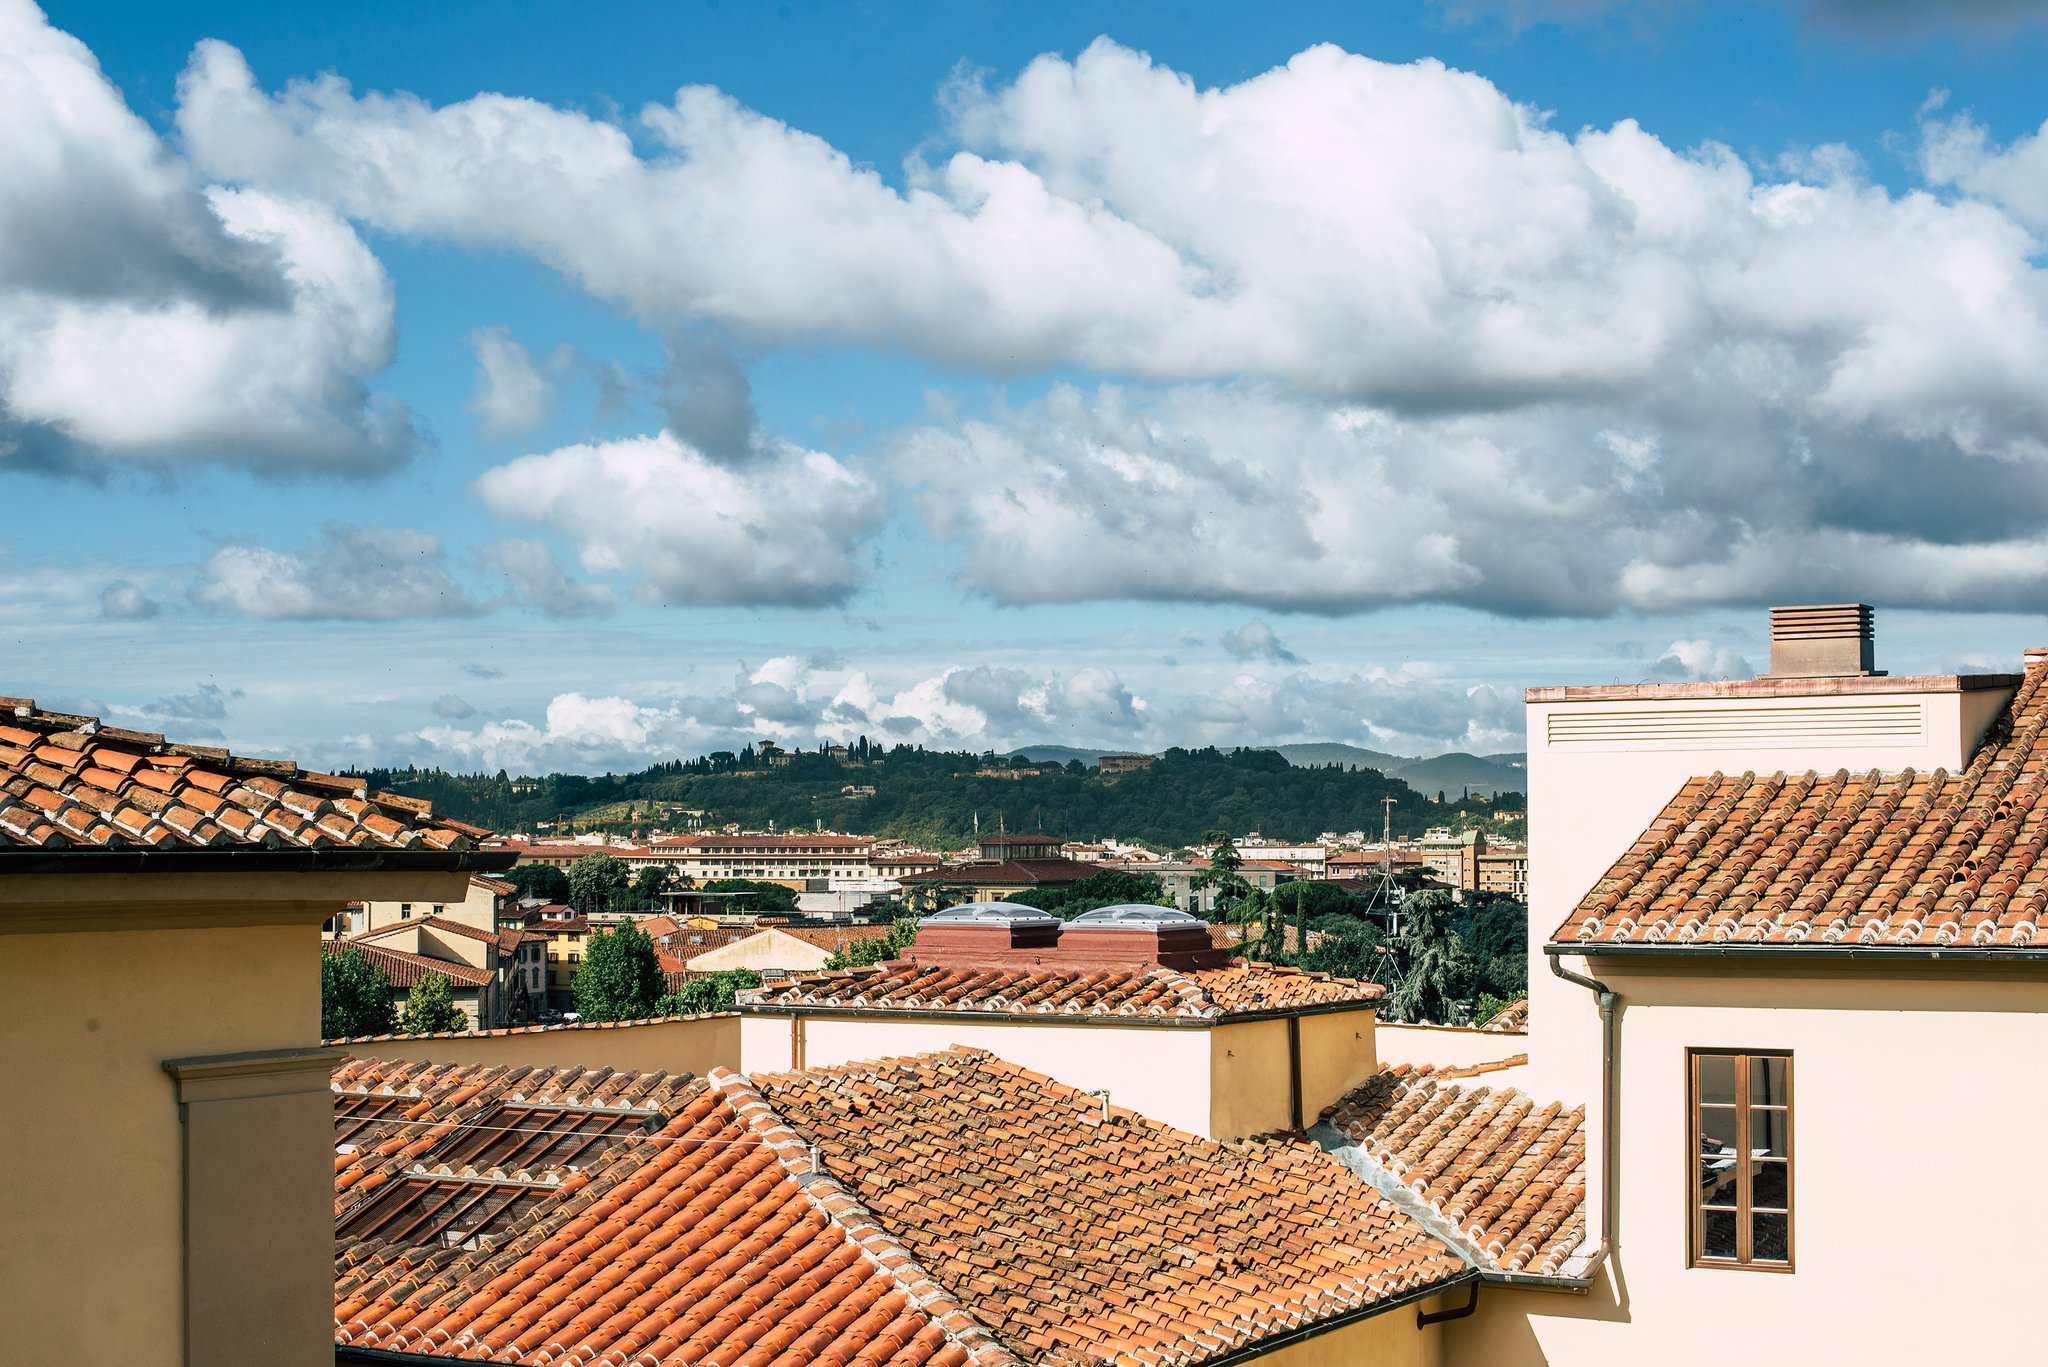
<point x="991" y="914"/>
<point x="1138" y="916"/>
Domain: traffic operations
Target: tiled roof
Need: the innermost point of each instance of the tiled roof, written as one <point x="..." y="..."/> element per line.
<point x="1905" y="859"/>
<point x="1007" y="871"/>
<point x="699" y="1239"/>
<point x="1083" y="1239"/>
<point x="1508" y="1172"/>
<point x="444" y="924"/>
<point x="510" y="940"/>
<point x="69" y="783"/>
<point x="835" y="938"/>
<point x="406" y="969"/>
<point x="352" y="1041"/>
<point x="1512" y="1019"/>
<point x="1206" y="993"/>
<point x="496" y="886"/>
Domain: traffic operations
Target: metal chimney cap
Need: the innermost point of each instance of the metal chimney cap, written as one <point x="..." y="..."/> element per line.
<point x="990" y="914"/>
<point x="1137" y="916"/>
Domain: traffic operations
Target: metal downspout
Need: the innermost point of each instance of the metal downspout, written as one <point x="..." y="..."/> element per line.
<point x="1294" y="1069"/>
<point x="1610" y="1146"/>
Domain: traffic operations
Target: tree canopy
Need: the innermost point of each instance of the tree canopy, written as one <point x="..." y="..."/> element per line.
<point x="1110" y="888"/>
<point x="934" y="796"/>
<point x="620" y="979"/>
<point x="708" y="992"/>
<point x="430" y="1007"/>
<point x="355" y="996"/>
<point x="598" y="883"/>
<point x="544" y="881"/>
<point x="763" y="899"/>
<point x="1435" y="972"/>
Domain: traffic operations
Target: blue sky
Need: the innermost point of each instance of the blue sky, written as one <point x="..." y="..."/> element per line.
<point x="549" y="386"/>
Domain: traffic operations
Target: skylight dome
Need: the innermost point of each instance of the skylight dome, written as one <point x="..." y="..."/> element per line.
<point x="1138" y="916"/>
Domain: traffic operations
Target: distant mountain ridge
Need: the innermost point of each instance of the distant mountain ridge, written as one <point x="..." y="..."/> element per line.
<point x="1484" y="775"/>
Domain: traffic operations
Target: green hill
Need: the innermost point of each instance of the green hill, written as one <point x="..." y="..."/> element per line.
<point x="935" y="797"/>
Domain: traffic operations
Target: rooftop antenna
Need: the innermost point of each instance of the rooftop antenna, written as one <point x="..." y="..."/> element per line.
<point x="1386" y="888"/>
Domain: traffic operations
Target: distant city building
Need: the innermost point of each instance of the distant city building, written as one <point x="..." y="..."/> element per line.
<point x="1123" y="764"/>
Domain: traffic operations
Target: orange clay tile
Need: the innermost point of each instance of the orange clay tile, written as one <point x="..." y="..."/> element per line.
<point x="948" y="1209"/>
<point x="1079" y="1239"/>
<point x="1506" y="1172"/>
<point x="1203" y="993"/>
<point x="406" y="969"/>
<point x="1512" y="1019"/>
<point x="1903" y="859"/>
<point x="699" y="1240"/>
<point x="69" y="782"/>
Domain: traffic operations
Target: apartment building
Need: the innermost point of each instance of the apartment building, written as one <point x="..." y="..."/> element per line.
<point x="795" y="861"/>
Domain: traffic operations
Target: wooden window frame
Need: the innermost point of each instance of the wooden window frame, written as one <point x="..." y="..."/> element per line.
<point x="1695" y="1232"/>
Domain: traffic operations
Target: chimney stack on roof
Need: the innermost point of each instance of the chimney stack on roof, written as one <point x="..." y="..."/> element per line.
<point x="1828" y="640"/>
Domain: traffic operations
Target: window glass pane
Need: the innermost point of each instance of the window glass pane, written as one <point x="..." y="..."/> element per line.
<point x="1768" y="1081"/>
<point x="1717" y="1155"/>
<point x="1717" y="1128"/>
<point x="1717" y="1233"/>
<point x="1770" y="1238"/>
<point x="1770" y="1133"/>
<point x="1769" y="1185"/>
<point x="1717" y="1079"/>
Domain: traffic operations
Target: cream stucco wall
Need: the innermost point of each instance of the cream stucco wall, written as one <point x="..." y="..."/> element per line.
<point x="1159" y="1071"/>
<point x="1338" y="1051"/>
<point x="1250" y="1090"/>
<point x="1388" y="1339"/>
<point x="111" y="976"/>
<point x="93" y="1254"/>
<point x="767" y="949"/>
<point x="1915" y="1208"/>
<point x="1604" y="761"/>
<point x="692" y="1044"/>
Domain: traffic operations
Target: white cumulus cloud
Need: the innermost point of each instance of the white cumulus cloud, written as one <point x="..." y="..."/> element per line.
<point x="355" y="573"/>
<point x="1380" y="333"/>
<point x="785" y="528"/>
<point x="146" y="315"/>
<point x="512" y="395"/>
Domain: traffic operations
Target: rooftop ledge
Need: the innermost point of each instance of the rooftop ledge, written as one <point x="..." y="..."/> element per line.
<point x="1846" y="685"/>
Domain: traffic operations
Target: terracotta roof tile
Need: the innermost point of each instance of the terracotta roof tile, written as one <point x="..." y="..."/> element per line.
<point x="1080" y="1239"/>
<point x="1512" y="1019"/>
<point x="69" y="782"/>
<point x="1239" y="989"/>
<point x="1902" y="859"/>
<point x="683" y="1238"/>
<point x="406" y="969"/>
<point x="948" y="1209"/>
<point x="1507" y="1172"/>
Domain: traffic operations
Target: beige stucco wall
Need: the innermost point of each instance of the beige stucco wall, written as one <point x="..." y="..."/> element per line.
<point x="1916" y="1211"/>
<point x="1159" y="1071"/>
<point x="1338" y="1051"/>
<point x="1388" y="1339"/>
<point x="1249" y="1086"/>
<point x="1446" y="1045"/>
<point x="693" y="1044"/>
<point x="768" y="949"/>
<point x="93" y="1254"/>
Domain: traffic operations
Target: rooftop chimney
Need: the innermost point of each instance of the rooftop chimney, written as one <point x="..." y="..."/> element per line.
<point x="1828" y="640"/>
